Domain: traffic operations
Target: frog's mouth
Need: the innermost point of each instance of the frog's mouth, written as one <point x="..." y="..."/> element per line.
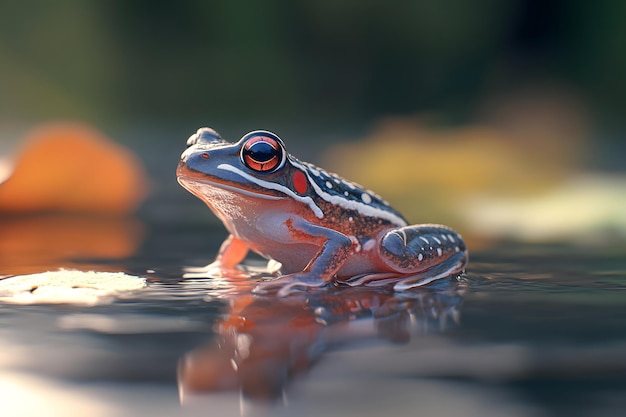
<point x="201" y="184"/>
<point x="198" y="187"/>
<point x="267" y="186"/>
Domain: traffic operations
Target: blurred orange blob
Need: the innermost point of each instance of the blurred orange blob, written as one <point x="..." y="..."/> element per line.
<point x="47" y="242"/>
<point x="73" y="168"/>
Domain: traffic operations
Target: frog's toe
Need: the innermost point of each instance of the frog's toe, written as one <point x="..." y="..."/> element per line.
<point x="214" y="270"/>
<point x="370" y="279"/>
<point x="287" y="285"/>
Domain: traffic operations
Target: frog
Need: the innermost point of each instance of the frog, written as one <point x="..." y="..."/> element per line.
<point x="317" y="227"/>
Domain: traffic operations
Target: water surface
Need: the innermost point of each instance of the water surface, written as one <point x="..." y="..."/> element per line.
<point x="531" y="331"/>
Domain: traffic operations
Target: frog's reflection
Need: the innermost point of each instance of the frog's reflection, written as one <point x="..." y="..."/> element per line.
<point x="263" y="342"/>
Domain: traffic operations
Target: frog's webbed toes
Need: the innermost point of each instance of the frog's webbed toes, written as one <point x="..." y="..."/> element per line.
<point x="370" y="279"/>
<point x="286" y="285"/>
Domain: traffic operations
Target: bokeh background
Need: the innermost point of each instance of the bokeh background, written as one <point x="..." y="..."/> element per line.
<point x="503" y="118"/>
<point x="312" y="62"/>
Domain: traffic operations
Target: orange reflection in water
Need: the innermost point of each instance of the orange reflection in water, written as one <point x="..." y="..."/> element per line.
<point x="44" y="242"/>
<point x="263" y="342"/>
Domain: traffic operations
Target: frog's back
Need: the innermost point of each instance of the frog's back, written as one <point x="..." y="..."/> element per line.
<point x="334" y="191"/>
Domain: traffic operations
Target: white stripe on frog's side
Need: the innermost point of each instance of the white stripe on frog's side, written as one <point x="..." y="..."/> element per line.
<point x="272" y="186"/>
<point x="360" y="207"/>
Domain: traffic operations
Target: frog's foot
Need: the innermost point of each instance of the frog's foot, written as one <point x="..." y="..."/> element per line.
<point x="215" y="270"/>
<point x="451" y="268"/>
<point x="370" y="279"/>
<point x="287" y="284"/>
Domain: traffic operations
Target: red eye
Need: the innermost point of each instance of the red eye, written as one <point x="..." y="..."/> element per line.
<point x="261" y="152"/>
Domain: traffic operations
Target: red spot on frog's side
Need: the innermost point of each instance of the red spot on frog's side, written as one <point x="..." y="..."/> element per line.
<point x="299" y="182"/>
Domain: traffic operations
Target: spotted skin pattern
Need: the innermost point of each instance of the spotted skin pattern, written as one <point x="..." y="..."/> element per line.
<point x="414" y="248"/>
<point x="319" y="226"/>
<point x="336" y="186"/>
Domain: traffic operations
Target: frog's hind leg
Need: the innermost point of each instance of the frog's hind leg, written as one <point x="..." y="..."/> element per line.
<point x="449" y="269"/>
<point x="423" y="253"/>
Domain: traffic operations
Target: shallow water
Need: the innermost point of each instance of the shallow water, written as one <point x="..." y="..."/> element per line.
<point x="529" y="331"/>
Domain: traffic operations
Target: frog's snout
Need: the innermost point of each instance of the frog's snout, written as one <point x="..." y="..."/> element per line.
<point x="193" y="159"/>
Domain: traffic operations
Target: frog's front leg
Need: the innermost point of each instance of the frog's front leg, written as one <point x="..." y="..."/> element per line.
<point x="423" y="253"/>
<point x="231" y="253"/>
<point x="333" y="253"/>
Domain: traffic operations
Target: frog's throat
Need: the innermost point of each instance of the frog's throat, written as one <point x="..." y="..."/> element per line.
<point x="273" y="186"/>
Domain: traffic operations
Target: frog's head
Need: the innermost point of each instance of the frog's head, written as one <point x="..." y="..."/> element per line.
<point x="256" y="165"/>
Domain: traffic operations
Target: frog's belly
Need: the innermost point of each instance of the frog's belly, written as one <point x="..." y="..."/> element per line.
<point x="293" y="257"/>
<point x="360" y="263"/>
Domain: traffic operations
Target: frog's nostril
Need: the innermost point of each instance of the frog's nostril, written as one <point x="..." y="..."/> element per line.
<point x="205" y="155"/>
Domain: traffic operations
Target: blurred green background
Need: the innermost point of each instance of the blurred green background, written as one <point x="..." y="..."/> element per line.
<point x="121" y="62"/>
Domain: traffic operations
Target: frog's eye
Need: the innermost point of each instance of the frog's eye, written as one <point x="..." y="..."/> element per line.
<point x="262" y="151"/>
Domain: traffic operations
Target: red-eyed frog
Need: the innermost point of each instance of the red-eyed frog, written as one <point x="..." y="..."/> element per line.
<point x="320" y="227"/>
